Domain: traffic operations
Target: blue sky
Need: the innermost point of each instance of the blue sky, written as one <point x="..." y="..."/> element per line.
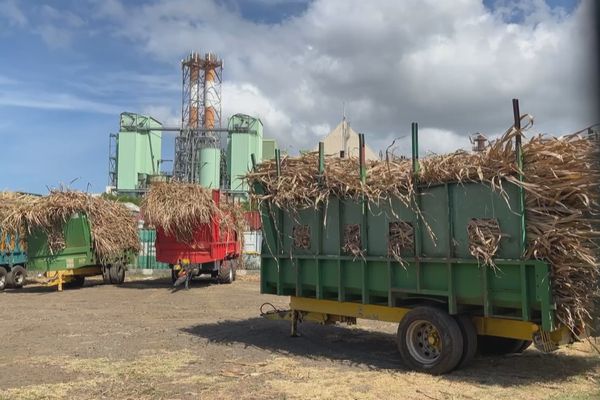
<point x="70" y="67"/>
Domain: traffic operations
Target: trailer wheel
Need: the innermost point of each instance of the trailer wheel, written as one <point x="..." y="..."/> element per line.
<point x="117" y="274"/>
<point x="226" y="272"/>
<point x="235" y="263"/>
<point x="524" y="346"/>
<point x="469" y="333"/>
<point x="3" y="274"/>
<point x="106" y="274"/>
<point x="174" y="274"/>
<point x="499" y="346"/>
<point x="16" y="277"/>
<point x="430" y="340"/>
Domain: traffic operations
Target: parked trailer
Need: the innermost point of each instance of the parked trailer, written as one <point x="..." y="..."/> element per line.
<point x="214" y="251"/>
<point x="70" y="266"/>
<point x="13" y="261"/>
<point x="446" y="303"/>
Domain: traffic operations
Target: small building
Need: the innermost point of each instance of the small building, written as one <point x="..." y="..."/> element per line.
<point x="342" y="141"/>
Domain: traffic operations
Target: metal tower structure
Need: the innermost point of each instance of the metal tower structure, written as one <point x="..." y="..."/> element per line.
<point x="200" y="115"/>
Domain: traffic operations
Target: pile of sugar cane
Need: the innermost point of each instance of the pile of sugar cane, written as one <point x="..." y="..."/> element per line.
<point x="561" y="184"/>
<point x="11" y="202"/>
<point x="180" y="208"/>
<point x="113" y="227"/>
<point x="401" y="238"/>
<point x="484" y="239"/>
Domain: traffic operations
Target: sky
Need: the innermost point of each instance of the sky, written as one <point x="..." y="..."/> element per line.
<point x="68" y="68"/>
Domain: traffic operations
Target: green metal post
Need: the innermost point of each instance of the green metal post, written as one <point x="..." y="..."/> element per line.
<point x="253" y="159"/>
<point x="415" y="164"/>
<point x="415" y="147"/>
<point x="362" y="161"/>
<point x="321" y="158"/>
<point x="364" y="227"/>
<point x="278" y="161"/>
<point x="519" y="155"/>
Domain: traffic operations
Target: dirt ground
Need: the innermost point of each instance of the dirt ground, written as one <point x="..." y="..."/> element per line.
<point x="143" y="341"/>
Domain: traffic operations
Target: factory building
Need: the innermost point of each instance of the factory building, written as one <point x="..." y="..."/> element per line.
<point x="200" y="156"/>
<point x="135" y="152"/>
<point x="245" y="139"/>
<point x="342" y="141"/>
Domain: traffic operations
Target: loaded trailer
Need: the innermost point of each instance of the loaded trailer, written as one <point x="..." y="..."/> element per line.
<point x="77" y="260"/>
<point x="447" y="303"/>
<point x="13" y="261"/>
<point x="214" y="251"/>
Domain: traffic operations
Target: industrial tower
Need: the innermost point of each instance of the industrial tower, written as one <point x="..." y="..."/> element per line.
<point x="197" y="147"/>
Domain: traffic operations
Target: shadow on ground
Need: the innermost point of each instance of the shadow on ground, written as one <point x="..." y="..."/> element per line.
<point x="158" y="283"/>
<point x="377" y="350"/>
<point x="135" y="283"/>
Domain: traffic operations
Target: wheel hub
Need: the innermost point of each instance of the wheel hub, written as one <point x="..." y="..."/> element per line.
<point x="423" y="342"/>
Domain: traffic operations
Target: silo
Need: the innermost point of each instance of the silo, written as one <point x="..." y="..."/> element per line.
<point x="245" y="139"/>
<point x="209" y="163"/>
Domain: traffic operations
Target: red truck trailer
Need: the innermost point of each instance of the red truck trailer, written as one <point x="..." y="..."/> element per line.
<point x="214" y="251"/>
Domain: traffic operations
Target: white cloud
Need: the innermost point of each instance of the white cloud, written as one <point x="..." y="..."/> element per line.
<point x="453" y="66"/>
<point x="165" y="114"/>
<point x="55" y="101"/>
<point x="57" y="28"/>
<point x="10" y="11"/>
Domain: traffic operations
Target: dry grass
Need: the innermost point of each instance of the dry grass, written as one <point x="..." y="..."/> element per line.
<point x="113" y="228"/>
<point x="561" y="184"/>
<point x="9" y="203"/>
<point x="484" y="239"/>
<point x="180" y="208"/>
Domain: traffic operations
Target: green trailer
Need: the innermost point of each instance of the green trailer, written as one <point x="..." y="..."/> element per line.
<point x="447" y="304"/>
<point x="75" y="261"/>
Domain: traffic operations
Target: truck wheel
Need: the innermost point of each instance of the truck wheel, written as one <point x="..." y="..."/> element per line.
<point x="499" y="346"/>
<point x="3" y="274"/>
<point x="106" y="274"/>
<point x="430" y="340"/>
<point x="16" y="277"/>
<point x="226" y="272"/>
<point x="117" y="274"/>
<point x="469" y="333"/>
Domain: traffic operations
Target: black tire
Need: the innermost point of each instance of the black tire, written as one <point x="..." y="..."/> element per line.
<point x="117" y="274"/>
<point x="106" y="274"/>
<point x="16" y="277"/>
<point x="469" y="333"/>
<point x="418" y="329"/>
<point x="226" y="271"/>
<point x="174" y="275"/>
<point x="524" y="346"/>
<point x="77" y="282"/>
<point x="499" y="346"/>
<point x="3" y="278"/>
<point x="235" y="263"/>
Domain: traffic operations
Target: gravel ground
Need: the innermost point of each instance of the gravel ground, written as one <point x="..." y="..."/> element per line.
<point x="141" y="340"/>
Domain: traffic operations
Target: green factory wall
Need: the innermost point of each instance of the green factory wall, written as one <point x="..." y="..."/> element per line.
<point x="138" y="150"/>
<point x="268" y="149"/>
<point x="241" y="146"/>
